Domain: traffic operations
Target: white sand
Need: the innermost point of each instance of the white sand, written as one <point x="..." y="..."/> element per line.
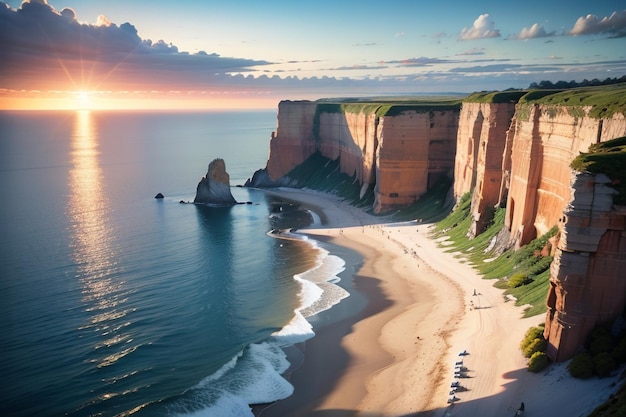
<point x="402" y="359"/>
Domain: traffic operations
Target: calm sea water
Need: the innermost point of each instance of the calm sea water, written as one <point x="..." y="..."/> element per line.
<point x="114" y="303"/>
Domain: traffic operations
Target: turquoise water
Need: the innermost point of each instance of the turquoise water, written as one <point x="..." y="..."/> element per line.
<point x="115" y="303"/>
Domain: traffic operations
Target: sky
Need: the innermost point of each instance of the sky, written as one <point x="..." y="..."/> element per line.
<point x="209" y="54"/>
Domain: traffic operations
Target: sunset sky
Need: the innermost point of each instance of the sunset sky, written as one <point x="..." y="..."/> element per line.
<point x="247" y="53"/>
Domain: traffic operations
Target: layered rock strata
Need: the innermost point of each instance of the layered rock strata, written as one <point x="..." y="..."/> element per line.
<point x="544" y="142"/>
<point x="587" y="280"/>
<point x="481" y="142"/>
<point x="400" y="155"/>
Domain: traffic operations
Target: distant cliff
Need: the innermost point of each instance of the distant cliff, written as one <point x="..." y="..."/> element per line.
<point x="509" y="149"/>
<point x="399" y="149"/>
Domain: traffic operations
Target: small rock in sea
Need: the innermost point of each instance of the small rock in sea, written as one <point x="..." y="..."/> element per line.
<point x="159" y="195"/>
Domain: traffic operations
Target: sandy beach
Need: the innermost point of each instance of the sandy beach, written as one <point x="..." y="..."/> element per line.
<point x="396" y="357"/>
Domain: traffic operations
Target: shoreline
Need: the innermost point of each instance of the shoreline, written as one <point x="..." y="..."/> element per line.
<point x="396" y="357"/>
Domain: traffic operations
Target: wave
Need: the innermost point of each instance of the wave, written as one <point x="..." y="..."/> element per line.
<point x="256" y="374"/>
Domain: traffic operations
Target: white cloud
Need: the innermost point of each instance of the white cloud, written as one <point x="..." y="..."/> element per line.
<point x="591" y="24"/>
<point x="483" y="27"/>
<point x="535" y="31"/>
<point x="69" y="14"/>
<point x="103" y="21"/>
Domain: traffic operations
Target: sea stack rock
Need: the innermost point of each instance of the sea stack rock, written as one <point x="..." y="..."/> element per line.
<point x="214" y="188"/>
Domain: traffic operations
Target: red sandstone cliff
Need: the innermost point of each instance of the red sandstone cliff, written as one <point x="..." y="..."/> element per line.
<point x="400" y="155"/>
<point x="293" y="142"/>
<point x="545" y="141"/>
<point x="517" y="155"/>
<point x="587" y="282"/>
<point x="534" y="180"/>
<point x="481" y="141"/>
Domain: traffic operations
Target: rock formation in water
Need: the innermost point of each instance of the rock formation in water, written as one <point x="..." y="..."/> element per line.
<point x="214" y="188"/>
<point x="510" y="149"/>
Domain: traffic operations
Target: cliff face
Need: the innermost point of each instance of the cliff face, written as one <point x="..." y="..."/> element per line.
<point x="587" y="283"/>
<point x="293" y="142"/>
<point x="544" y="142"/>
<point x="401" y="155"/>
<point x="535" y="183"/>
<point x="415" y="150"/>
<point x="481" y="142"/>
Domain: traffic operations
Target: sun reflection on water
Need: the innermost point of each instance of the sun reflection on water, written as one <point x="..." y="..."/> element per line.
<point x="103" y="291"/>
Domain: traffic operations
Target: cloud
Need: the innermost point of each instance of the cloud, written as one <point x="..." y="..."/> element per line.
<point x="482" y="28"/>
<point x="359" y="67"/>
<point x="417" y="62"/>
<point x="41" y="45"/>
<point x="614" y="25"/>
<point x="473" y="52"/>
<point x="535" y="31"/>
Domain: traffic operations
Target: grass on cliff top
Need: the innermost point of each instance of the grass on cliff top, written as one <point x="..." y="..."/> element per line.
<point x="605" y="100"/>
<point x="527" y="262"/>
<point x="388" y="107"/>
<point x="609" y="158"/>
<point x="506" y="96"/>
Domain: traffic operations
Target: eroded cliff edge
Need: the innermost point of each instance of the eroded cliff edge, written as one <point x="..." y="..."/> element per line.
<point x="510" y="149"/>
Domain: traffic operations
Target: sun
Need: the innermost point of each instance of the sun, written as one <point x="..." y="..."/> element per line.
<point x="83" y="100"/>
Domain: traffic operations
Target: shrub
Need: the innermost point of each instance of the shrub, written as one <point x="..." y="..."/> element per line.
<point x="601" y="344"/>
<point x="538" y="362"/>
<point x="581" y="366"/>
<point x="531" y="334"/>
<point x="619" y="351"/>
<point x="518" y="279"/>
<point x="536" y="345"/>
<point x="603" y="364"/>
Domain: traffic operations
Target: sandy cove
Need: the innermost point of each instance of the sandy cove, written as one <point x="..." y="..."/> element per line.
<point x="397" y="357"/>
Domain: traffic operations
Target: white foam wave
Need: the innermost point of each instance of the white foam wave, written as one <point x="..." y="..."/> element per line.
<point x="325" y="276"/>
<point x="297" y="331"/>
<point x="254" y="376"/>
<point x="317" y="220"/>
<point x="256" y="379"/>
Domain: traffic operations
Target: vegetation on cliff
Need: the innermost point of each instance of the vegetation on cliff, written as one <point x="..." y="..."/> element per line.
<point x="605" y="100"/>
<point x="608" y="158"/>
<point x="546" y="84"/>
<point x="507" y="96"/>
<point x="322" y="174"/>
<point x="530" y="262"/>
<point x="389" y="107"/>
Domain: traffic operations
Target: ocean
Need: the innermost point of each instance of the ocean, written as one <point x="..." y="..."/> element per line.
<point x="114" y="303"/>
